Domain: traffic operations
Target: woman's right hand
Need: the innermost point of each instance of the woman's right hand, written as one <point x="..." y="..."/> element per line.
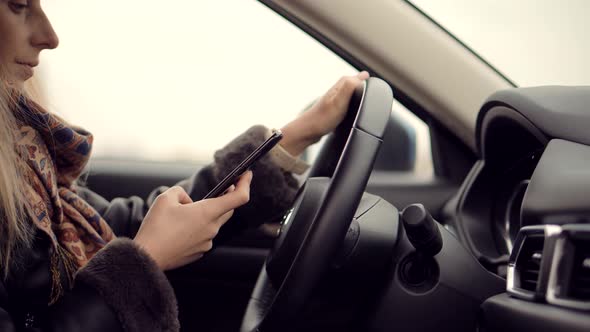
<point x="177" y="231"/>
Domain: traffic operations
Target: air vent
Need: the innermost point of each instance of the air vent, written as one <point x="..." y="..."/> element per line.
<point x="580" y="280"/>
<point x="528" y="263"/>
<point x="569" y="281"/>
<point x="528" y="269"/>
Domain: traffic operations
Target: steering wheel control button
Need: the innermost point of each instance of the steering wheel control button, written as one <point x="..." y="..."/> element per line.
<point x="421" y="229"/>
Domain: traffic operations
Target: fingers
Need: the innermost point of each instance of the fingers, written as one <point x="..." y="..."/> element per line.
<point x="363" y="75"/>
<point x="232" y="199"/>
<point x="224" y="218"/>
<point x="346" y="85"/>
<point x="244" y="181"/>
<point x="229" y="190"/>
<point x="177" y="194"/>
<point x="204" y="247"/>
<point x="238" y="197"/>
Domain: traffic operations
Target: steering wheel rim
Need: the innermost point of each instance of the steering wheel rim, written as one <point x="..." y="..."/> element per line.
<point x="326" y="207"/>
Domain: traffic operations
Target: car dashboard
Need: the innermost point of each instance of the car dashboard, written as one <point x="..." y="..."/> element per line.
<point x="524" y="209"/>
<point x="489" y="209"/>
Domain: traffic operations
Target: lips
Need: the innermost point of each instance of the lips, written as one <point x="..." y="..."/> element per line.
<point x="31" y="64"/>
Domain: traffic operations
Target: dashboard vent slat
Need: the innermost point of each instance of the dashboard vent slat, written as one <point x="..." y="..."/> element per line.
<point x="580" y="280"/>
<point x="528" y="268"/>
<point x="529" y="262"/>
<point x="569" y="281"/>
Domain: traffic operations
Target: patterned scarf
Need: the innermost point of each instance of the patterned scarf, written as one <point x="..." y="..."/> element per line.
<point x="54" y="155"/>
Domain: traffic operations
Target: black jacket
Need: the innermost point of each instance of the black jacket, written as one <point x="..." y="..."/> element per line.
<point x="121" y="288"/>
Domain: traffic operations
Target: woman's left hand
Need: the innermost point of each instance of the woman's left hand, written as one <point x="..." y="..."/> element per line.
<point x="323" y="117"/>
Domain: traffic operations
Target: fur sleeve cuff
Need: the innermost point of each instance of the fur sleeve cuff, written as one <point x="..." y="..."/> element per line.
<point x="134" y="286"/>
<point x="272" y="190"/>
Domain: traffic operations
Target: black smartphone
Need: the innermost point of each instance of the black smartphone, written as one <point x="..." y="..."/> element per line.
<point x="233" y="176"/>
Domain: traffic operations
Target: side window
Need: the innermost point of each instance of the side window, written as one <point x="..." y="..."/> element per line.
<point x="422" y="151"/>
<point x="175" y="82"/>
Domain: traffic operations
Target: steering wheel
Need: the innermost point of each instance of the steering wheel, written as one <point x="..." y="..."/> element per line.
<point x="313" y="231"/>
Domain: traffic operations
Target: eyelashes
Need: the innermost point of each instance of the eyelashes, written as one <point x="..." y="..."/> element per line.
<point x="18" y="7"/>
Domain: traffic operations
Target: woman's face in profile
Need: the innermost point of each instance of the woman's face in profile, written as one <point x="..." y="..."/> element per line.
<point x="25" y="31"/>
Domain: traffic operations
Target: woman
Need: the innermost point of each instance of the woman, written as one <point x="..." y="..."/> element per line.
<point x="71" y="261"/>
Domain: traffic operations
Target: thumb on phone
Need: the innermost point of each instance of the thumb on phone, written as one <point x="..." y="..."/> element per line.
<point x="229" y="190"/>
<point x="237" y="197"/>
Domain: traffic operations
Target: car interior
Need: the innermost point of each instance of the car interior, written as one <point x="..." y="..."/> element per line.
<point x="498" y="239"/>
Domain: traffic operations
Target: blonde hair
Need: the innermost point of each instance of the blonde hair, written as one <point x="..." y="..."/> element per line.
<point x="15" y="230"/>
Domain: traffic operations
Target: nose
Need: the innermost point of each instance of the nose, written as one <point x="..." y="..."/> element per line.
<point x="44" y="37"/>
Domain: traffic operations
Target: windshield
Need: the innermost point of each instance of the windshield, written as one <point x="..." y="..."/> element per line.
<point x="531" y="42"/>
